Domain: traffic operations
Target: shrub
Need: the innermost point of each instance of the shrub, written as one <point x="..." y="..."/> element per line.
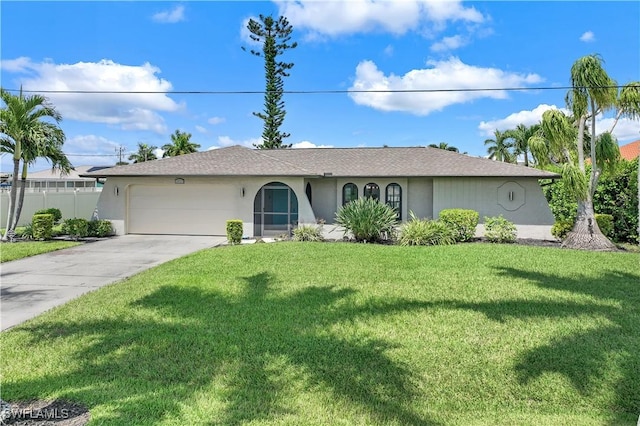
<point x="25" y="232"/>
<point x="56" y="213"/>
<point x="497" y="229"/>
<point x="605" y="223"/>
<point x="462" y="222"/>
<point x="42" y="225"/>
<point x="367" y="219"/>
<point x="561" y="228"/>
<point x="234" y="231"/>
<point x="425" y="232"/>
<point x="307" y="233"/>
<point x="99" y="228"/>
<point x="76" y="228"/>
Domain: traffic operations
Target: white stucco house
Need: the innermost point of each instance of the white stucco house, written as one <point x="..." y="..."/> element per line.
<point x="273" y="190"/>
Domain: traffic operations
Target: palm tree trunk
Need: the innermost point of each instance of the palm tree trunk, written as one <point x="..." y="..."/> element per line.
<point x="23" y="184"/>
<point x="585" y="233"/>
<point x="12" y="199"/>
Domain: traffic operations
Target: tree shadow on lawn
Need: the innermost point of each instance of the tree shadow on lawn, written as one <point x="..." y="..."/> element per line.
<point x="585" y="357"/>
<point x="143" y="371"/>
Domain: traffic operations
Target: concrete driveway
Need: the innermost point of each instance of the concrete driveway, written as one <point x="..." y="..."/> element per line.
<point x="36" y="284"/>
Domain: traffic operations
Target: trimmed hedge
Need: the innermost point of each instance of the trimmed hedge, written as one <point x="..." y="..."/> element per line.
<point x="234" y="231"/>
<point x="605" y="223"/>
<point x="42" y="226"/>
<point x="497" y="229"/>
<point x="561" y="228"/>
<point x="76" y="228"/>
<point x="425" y="232"/>
<point x="100" y="228"/>
<point x="56" y="213"/>
<point x="463" y="222"/>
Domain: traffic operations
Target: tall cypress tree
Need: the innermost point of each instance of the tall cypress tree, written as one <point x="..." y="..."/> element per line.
<point x="274" y="35"/>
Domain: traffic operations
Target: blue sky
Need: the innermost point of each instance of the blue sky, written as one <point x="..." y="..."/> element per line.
<point x="343" y="45"/>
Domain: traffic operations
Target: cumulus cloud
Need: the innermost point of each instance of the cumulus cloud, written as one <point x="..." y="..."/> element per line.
<point x="228" y="141"/>
<point x="449" y="43"/>
<point x="588" y="37"/>
<point x="170" y="16"/>
<point x="201" y="129"/>
<point x="216" y="120"/>
<point x="307" y="144"/>
<point x="388" y="51"/>
<point x="20" y="64"/>
<point x="335" y="18"/>
<point x="91" y="150"/>
<point x="439" y="75"/>
<point x="626" y="129"/>
<point x="129" y="111"/>
<point x="526" y="117"/>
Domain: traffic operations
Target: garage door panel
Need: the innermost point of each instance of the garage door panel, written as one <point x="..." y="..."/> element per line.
<point x="189" y="210"/>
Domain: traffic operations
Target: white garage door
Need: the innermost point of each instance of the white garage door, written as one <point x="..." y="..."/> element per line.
<point x="181" y="209"/>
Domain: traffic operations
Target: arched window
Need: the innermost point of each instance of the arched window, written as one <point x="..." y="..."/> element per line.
<point x="372" y="190"/>
<point x="349" y="193"/>
<point x="393" y="198"/>
<point x="308" y="191"/>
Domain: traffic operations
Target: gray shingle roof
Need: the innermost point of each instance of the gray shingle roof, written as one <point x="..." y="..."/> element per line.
<point x="337" y="162"/>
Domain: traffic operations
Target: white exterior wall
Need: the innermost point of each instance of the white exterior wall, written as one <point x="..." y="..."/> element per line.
<point x="71" y="204"/>
<point x="420" y="198"/>
<point x="323" y="198"/>
<point x="114" y="204"/>
<point x="490" y="197"/>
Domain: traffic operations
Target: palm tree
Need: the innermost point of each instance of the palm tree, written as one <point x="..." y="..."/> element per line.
<point x="445" y="146"/>
<point x="145" y="153"/>
<point x="499" y="147"/>
<point x="26" y="136"/>
<point x="520" y="136"/>
<point x="180" y="145"/>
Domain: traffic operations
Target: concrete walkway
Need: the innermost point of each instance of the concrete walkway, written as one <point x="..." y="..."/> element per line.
<point x="33" y="285"/>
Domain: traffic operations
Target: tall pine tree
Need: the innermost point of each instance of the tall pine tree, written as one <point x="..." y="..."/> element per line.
<point x="274" y="35"/>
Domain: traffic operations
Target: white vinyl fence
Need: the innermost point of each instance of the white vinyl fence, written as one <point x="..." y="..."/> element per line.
<point x="71" y="204"/>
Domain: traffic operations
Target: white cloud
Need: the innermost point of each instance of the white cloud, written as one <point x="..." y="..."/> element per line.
<point x="201" y="129"/>
<point x="588" y="37"/>
<point x="334" y="18"/>
<point x="626" y="129"/>
<point x="228" y="141"/>
<point x="388" y="51"/>
<point x="170" y="16"/>
<point x="449" y="43"/>
<point x="91" y="150"/>
<point x="440" y="75"/>
<point x="15" y="65"/>
<point x="245" y="34"/>
<point x="216" y="120"/>
<point x="130" y="111"/>
<point x="526" y="117"/>
<point x="307" y="144"/>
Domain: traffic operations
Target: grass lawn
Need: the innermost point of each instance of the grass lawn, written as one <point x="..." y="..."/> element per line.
<point x="337" y="333"/>
<point x="14" y="251"/>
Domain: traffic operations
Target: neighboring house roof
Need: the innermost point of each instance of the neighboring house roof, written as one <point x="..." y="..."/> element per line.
<point x="314" y="162"/>
<point x="630" y="151"/>
<point x="77" y="174"/>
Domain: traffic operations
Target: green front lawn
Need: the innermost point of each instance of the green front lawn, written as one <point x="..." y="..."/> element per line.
<point x="14" y="251"/>
<point x="339" y="333"/>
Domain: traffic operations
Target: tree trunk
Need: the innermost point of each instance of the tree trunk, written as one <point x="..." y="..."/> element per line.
<point x="586" y="234"/>
<point x="12" y="199"/>
<point x="23" y="184"/>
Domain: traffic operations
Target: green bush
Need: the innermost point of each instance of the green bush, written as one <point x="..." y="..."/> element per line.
<point x="367" y="219"/>
<point x="25" y="232"/>
<point x="605" y="223"/>
<point x="234" y="231"/>
<point x="561" y="228"/>
<point x="425" y="232"/>
<point x="76" y="228"/>
<point x="56" y="213"/>
<point x="42" y="225"/>
<point x="497" y="229"/>
<point x="462" y="222"/>
<point x="99" y="228"/>
<point x="307" y="233"/>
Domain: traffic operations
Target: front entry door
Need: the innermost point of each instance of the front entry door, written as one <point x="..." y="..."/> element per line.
<point x="275" y="210"/>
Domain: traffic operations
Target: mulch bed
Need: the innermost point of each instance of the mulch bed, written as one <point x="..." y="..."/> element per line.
<point x="47" y="413"/>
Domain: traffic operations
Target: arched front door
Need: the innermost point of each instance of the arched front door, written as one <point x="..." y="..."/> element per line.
<point x="275" y="210"/>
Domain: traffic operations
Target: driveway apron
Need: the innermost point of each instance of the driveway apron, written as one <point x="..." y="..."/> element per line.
<point x="33" y="285"/>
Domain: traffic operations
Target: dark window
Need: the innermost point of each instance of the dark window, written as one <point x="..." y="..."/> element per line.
<point x="394" y="198"/>
<point x="308" y="191"/>
<point x="372" y="190"/>
<point x="349" y="193"/>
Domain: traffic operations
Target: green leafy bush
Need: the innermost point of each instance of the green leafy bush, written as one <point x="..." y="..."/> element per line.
<point x="100" y="228"/>
<point x="605" y="223"/>
<point x="42" y="225"/>
<point x="234" y="231"/>
<point x="463" y="222"/>
<point x="76" y="228"/>
<point x="424" y="232"/>
<point x="56" y="213"/>
<point x="497" y="229"/>
<point x="561" y="228"/>
<point x="307" y="233"/>
<point x="25" y="232"/>
<point x="367" y="219"/>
